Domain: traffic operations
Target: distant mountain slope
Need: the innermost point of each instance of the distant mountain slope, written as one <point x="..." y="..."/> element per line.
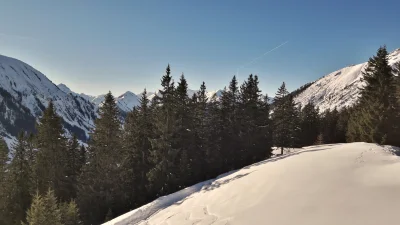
<point x="340" y="88"/>
<point x="24" y="94"/>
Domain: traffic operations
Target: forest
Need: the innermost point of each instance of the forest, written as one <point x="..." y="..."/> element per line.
<point x="174" y="141"/>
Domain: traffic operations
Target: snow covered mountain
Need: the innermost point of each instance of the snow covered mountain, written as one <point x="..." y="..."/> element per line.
<point x="340" y="88"/>
<point x="354" y="184"/>
<point x="24" y="94"/>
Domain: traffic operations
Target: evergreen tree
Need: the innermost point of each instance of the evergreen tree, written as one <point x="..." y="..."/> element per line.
<point x="69" y="213"/>
<point x="101" y="181"/>
<point x="309" y="124"/>
<point x="255" y="130"/>
<point x="376" y="119"/>
<point x="44" y="210"/>
<point x="184" y="134"/>
<point x="138" y="130"/>
<point x="3" y="181"/>
<point x="285" y="119"/>
<point x="163" y="155"/>
<point x="18" y="183"/>
<point x="51" y="164"/>
<point x="73" y="165"/>
<point x="329" y="126"/>
<point x="230" y="144"/>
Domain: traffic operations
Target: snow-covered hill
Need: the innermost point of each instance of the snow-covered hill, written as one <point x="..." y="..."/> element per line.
<point x="25" y="92"/>
<point x="340" y="88"/>
<point x="347" y="184"/>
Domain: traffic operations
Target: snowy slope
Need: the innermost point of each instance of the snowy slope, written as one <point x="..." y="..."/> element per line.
<point x="25" y="92"/>
<point x="347" y="184"/>
<point x="340" y="88"/>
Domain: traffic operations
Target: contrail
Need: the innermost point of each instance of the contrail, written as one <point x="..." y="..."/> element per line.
<point x="255" y="60"/>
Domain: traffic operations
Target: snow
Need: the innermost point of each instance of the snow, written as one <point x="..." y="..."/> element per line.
<point x="354" y="184"/>
<point x="339" y="89"/>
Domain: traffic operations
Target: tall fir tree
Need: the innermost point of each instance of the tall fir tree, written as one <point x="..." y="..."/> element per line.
<point x="52" y="157"/>
<point x="19" y="183"/>
<point x="309" y="124"/>
<point x="184" y="134"/>
<point x="101" y="183"/>
<point x="138" y="130"/>
<point x="285" y="119"/>
<point x="376" y="118"/>
<point x="230" y="144"/>
<point x="73" y="165"/>
<point x="69" y="213"/>
<point x="44" y="210"/>
<point x="3" y="181"/>
<point x="255" y="124"/>
<point x="163" y="155"/>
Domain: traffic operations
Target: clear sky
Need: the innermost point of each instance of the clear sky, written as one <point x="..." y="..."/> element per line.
<point x="96" y="46"/>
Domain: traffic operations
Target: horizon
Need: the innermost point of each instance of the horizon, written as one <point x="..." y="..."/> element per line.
<point x="97" y="46"/>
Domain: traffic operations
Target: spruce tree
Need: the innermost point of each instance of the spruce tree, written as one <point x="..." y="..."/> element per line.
<point x="138" y="130"/>
<point x="285" y="119"/>
<point x="255" y="125"/>
<point x="376" y="119"/>
<point x="3" y="182"/>
<point x="101" y="184"/>
<point x="44" y="210"/>
<point x="69" y="213"/>
<point x="73" y="165"/>
<point x="18" y="183"/>
<point x="185" y="136"/>
<point x="309" y="124"/>
<point x="230" y="144"/>
<point x="163" y="155"/>
<point x="52" y="158"/>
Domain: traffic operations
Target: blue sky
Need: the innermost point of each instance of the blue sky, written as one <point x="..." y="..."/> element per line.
<point x="96" y="46"/>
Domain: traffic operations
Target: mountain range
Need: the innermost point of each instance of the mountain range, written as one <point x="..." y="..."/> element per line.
<point x="25" y="92"/>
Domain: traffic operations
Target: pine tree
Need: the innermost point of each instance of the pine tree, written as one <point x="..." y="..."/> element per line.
<point x="163" y="176"/>
<point x="3" y="182"/>
<point x="376" y="119"/>
<point x="184" y="133"/>
<point x="52" y="155"/>
<point x="73" y="165"/>
<point x="285" y="119"/>
<point x="255" y="125"/>
<point x="44" y="210"/>
<point x="309" y="124"/>
<point x="101" y="181"/>
<point x="138" y="130"/>
<point x="18" y="183"/>
<point x="329" y="126"/>
<point x="230" y="144"/>
<point x="213" y="139"/>
<point x="69" y="213"/>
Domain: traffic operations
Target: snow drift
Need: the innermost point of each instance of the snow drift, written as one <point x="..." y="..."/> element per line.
<point x="352" y="184"/>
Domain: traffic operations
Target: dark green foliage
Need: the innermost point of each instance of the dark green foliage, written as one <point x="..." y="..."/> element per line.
<point x="138" y="129"/>
<point x="286" y="120"/>
<point x="255" y="125"/>
<point x="44" y="210"/>
<point x="376" y="118"/>
<point x="73" y="165"/>
<point x="163" y="176"/>
<point x="52" y="157"/>
<point x="69" y="213"/>
<point x="101" y="184"/>
<point x="3" y="182"/>
<point x="18" y="183"/>
<point x="309" y="125"/>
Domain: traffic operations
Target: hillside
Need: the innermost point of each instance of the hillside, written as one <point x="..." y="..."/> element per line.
<point x="340" y="88"/>
<point x="354" y="184"/>
<point x="25" y="92"/>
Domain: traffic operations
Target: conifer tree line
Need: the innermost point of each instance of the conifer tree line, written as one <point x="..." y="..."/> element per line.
<point x="174" y="141"/>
